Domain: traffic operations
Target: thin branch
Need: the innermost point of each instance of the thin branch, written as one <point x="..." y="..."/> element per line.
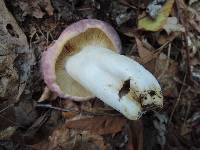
<point x="72" y="110"/>
<point x="178" y="99"/>
<point x="5" y="108"/>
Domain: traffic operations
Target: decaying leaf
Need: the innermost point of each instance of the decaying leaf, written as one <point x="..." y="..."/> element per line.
<point x="156" y="24"/>
<point x="147" y="57"/>
<point x="172" y="25"/>
<point x="99" y="124"/>
<point x="144" y="53"/>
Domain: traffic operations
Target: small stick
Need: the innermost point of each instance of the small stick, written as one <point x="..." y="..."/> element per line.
<point x="72" y="110"/>
<point x="178" y="99"/>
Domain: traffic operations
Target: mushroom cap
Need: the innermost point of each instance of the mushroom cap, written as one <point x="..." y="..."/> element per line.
<point x="70" y="42"/>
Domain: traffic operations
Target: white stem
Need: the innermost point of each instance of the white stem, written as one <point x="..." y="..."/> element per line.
<point x="104" y="72"/>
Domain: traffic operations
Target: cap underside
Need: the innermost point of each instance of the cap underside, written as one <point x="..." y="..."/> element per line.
<point x="90" y="37"/>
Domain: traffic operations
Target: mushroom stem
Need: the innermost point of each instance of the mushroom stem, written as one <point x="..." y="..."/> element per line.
<point x="115" y="79"/>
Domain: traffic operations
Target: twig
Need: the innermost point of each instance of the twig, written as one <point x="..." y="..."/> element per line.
<point x="178" y="99"/>
<point x="13" y="122"/>
<point x="127" y="4"/>
<point x="161" y="47"/>
<point x="72" y="110"/>
<point x="187" y="114"/>
<point x="5" y="108"/>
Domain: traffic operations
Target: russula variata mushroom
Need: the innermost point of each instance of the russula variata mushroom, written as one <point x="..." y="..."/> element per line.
<point x="85" y="62"/>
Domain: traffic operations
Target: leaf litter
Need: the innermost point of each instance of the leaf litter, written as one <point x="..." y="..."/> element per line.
<point x="167" y="43"/>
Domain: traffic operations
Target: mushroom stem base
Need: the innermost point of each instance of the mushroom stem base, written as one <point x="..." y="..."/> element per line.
<point x="113" y="78"/>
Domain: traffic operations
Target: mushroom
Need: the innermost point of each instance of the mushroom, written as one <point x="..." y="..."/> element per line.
<point x="85" y="62"/>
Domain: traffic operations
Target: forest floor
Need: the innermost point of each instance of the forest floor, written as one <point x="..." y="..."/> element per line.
<point x="163" y="35"/>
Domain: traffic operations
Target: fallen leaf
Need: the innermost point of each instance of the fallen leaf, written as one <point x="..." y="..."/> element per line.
<point x="99" y="124"/>
<point x="173" y="26"/>
<point x="144" y="53"/>
<point x="147" y="58"/>
<point x="156" y="24"/>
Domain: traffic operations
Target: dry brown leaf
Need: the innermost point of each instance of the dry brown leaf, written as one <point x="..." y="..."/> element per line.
<point x="146" y="57"/>
<point x="144" y="53"/>
<point x="100" y="124"/>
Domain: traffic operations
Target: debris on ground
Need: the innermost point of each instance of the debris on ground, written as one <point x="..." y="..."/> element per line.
<point x="162" y="35"/>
